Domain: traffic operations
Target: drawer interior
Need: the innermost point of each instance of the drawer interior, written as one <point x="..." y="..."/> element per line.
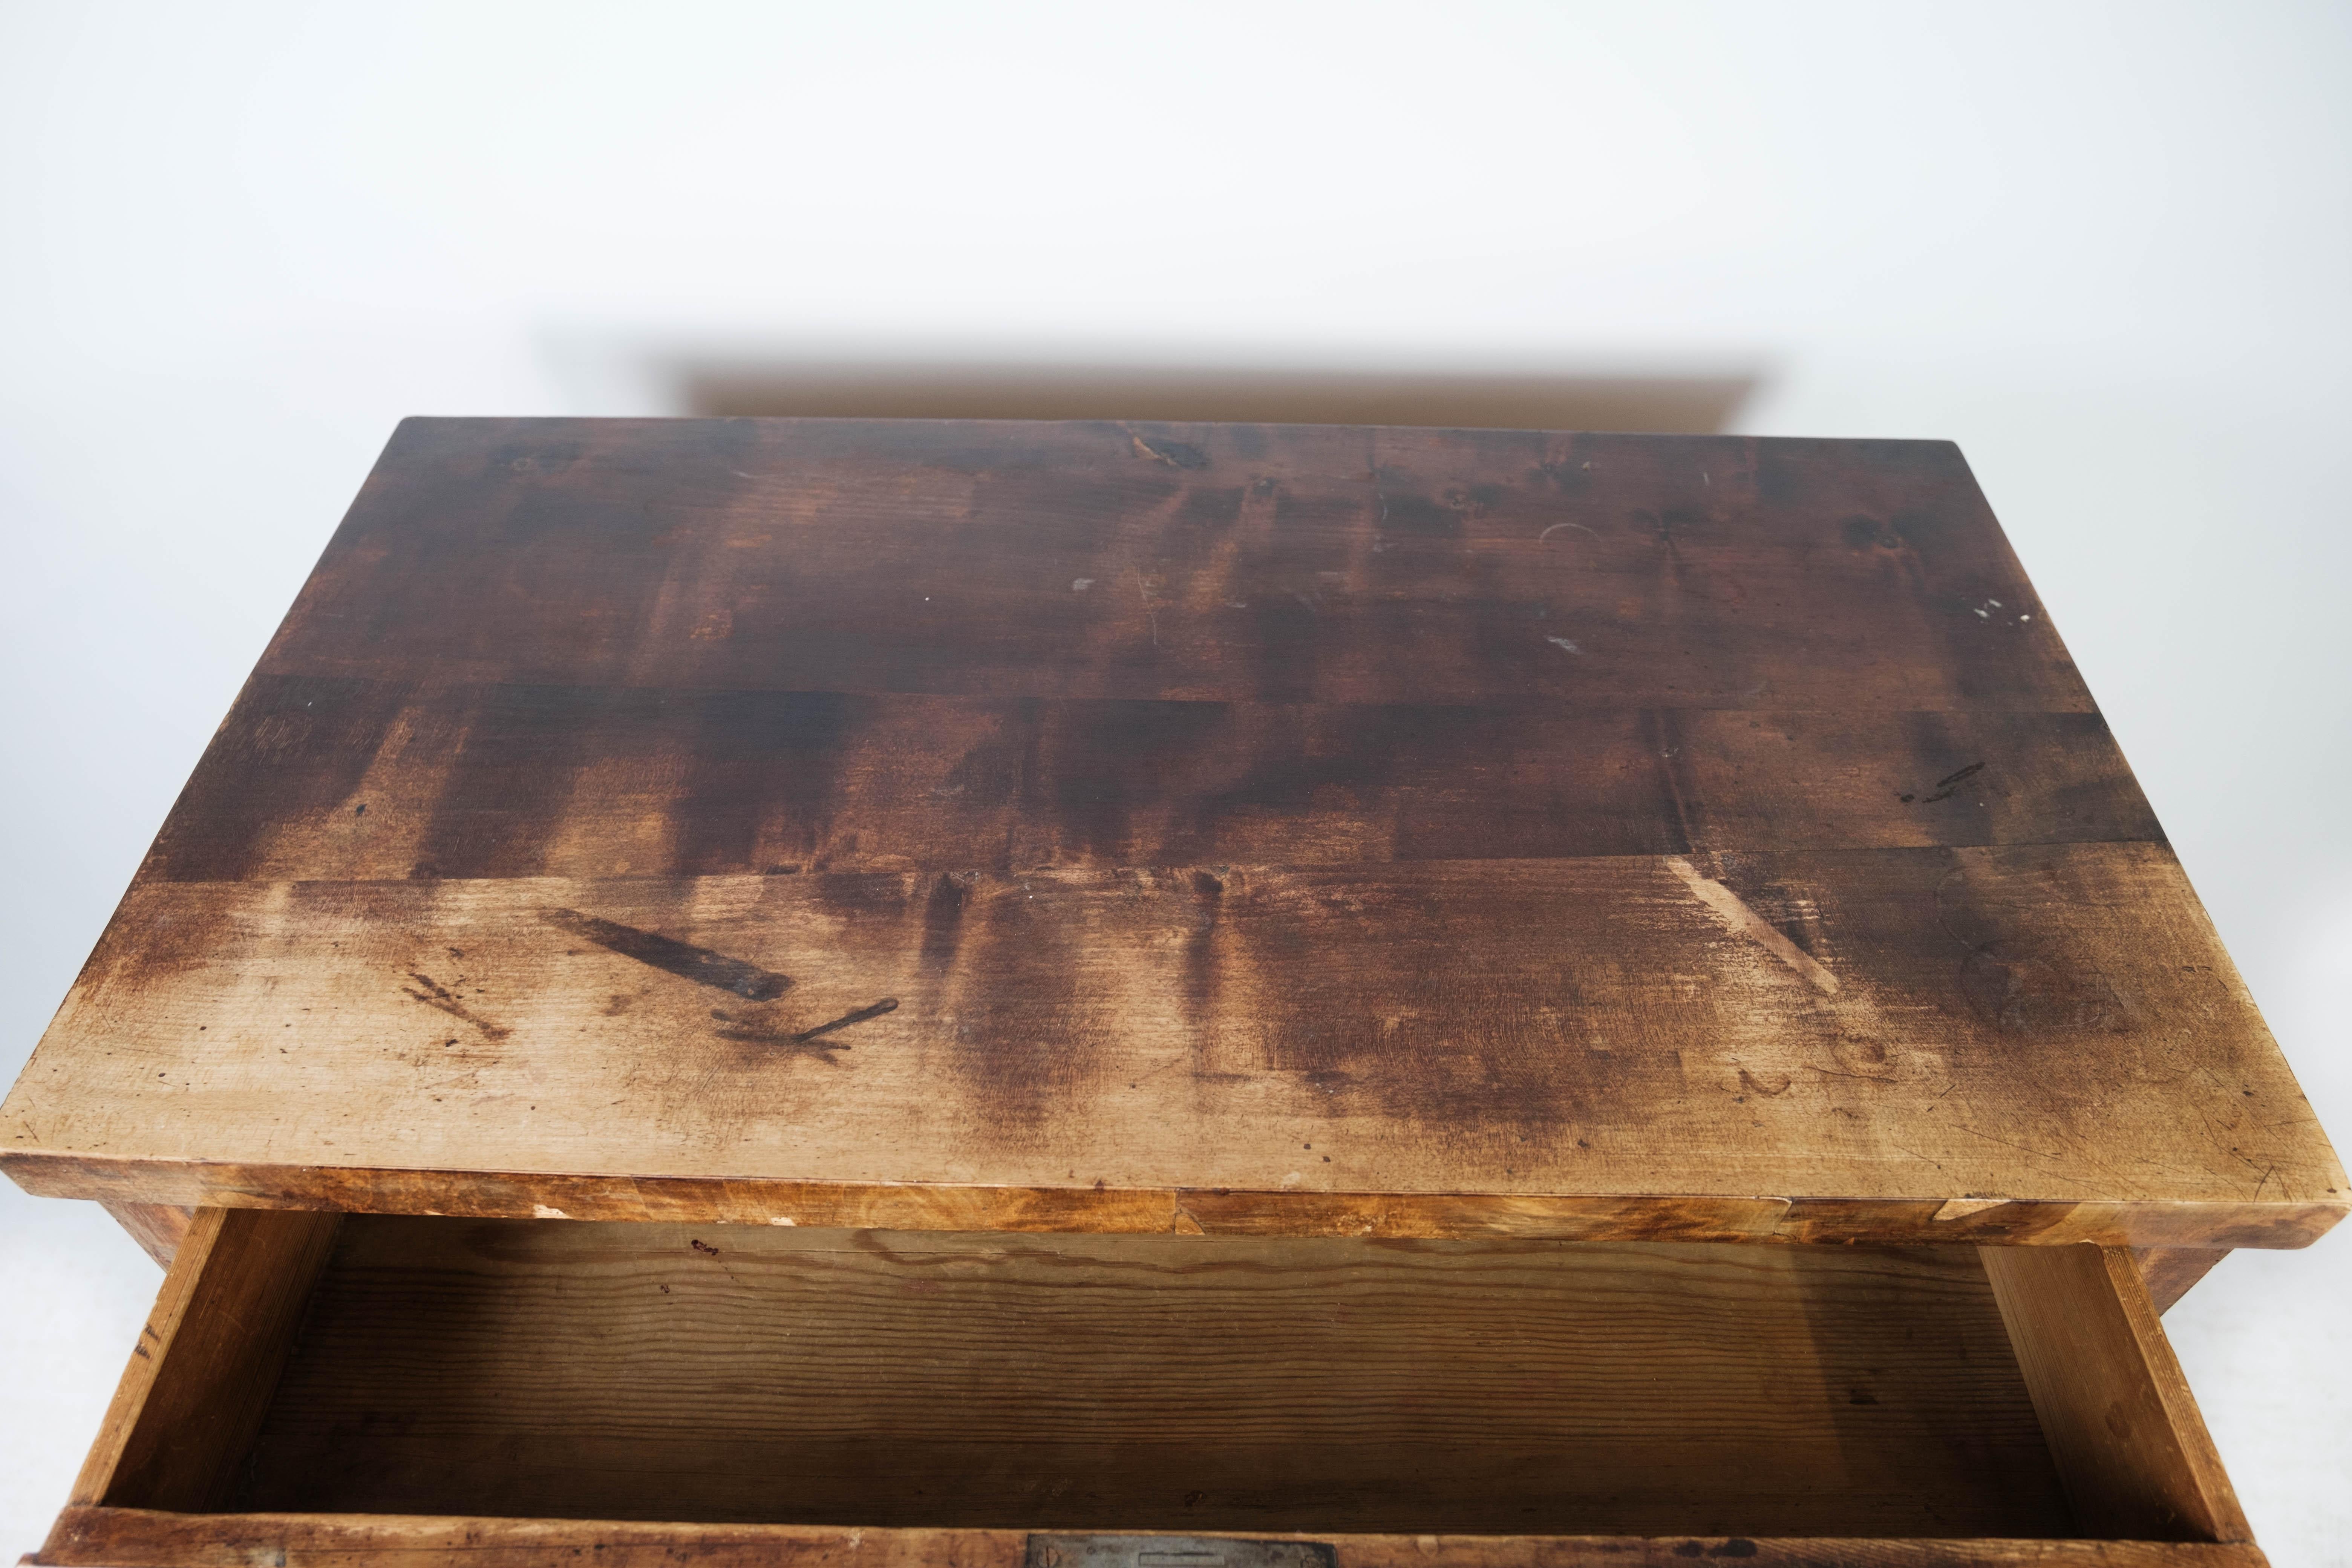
<point x="608" y="1371"/>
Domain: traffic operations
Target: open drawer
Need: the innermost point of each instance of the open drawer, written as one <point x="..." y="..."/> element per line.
<point x="316" y="1389"/>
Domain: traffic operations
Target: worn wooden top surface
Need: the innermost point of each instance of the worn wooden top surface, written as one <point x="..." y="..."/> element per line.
<point x="1281" y="828"/>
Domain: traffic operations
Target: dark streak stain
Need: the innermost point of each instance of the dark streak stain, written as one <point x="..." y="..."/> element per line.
<point x="704" y="1247"/>
<point x="1405" y="511"/>
<point x="752" y="1030"/>
<point x="1862" y="532"/>
<point x="1201" y="968"/>
<point x="755" y="1031"/>
<point x="1210" y="508"/>
<point x="1175" y="454"/>
<point x="436" y="994"/>
<point x="684" y="960"/>
<point x="762" y="763"/>
<point x="1663" y="732"/>
<point x="2023" y="992"/>
<point x="503" y="789"/>
<point x="1948" y="785"/>
<point x="942" y="917"/>
<point x="888" y="1004"/>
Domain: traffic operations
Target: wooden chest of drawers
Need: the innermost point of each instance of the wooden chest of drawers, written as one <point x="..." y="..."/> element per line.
<point x="1119" y="997"/>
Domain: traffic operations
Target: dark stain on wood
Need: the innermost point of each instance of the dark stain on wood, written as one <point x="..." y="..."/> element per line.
<point x="671" y="956"/>
<point x="942" y="919"/>
<point x="763" y="1030"/>
<point x="836" y="780"/>
<point x="948" y="553"/>
<point x="774" y="1034"/>
<point x="1945" y="787"/>
<point x="1175" y="454"/>
<point x="2025" y="992"/>
<point x="888" y="1004"/>
<point x="434" y="995"/>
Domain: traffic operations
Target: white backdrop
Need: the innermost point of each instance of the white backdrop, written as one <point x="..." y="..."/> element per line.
<point x="2104" y="247"/>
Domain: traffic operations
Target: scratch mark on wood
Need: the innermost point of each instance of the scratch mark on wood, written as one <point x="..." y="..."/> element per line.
<point x="888" y="1004"/>
<point x="1733" y="912"/>
<point x="671" y="956"/>
<point x="1960" y="1208"/>
<point x="435" y="995"/>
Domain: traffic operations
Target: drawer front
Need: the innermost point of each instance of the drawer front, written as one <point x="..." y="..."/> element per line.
<point x="322" y="1387"/>
<point x="125" y="1537"/>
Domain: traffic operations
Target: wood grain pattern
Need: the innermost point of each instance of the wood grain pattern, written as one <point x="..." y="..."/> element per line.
<point x="116" y="1538"/>
<point x="1233" y="564"/>
<point x="1675" y="837"/>
<point x="1407" y="1030"/>
<point x="2169" y="1271"/>
<point x="158" y="1229"/>
<point x="2121" y="1423"/>
<point x="488" y="781"/>
<point x="737" y="1373"/>
<point x="206" y="1362"/>
<point x="1180" y="1211"/>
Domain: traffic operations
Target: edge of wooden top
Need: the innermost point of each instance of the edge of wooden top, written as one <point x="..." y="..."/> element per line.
<point x="1194" y="1211"/>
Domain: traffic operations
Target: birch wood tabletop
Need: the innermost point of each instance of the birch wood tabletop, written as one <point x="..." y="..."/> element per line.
<point x="1289" y="829"/>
